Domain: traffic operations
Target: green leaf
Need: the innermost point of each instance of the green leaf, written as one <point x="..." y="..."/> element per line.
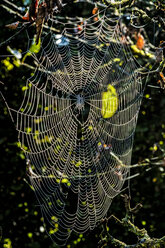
<point x="34" y="48"/>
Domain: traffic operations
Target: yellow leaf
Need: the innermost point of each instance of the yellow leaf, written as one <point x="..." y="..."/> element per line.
<point x="109" y="102"/>
<point x="147" y="96"/>
<point x="34" y="48"/>
<point x="64" y="180"/>
<point x="90" y="127"/>
<point x="154" y="179"/>
<point x="116" y="60"/>
<point x="24" y="88"/>
<point x="78" y="163"/>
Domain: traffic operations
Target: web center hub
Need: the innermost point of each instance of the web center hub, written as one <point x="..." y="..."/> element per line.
<point x="80" y="102"/>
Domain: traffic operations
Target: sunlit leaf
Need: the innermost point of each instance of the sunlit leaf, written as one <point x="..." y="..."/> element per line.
<point x="109" y="102"/>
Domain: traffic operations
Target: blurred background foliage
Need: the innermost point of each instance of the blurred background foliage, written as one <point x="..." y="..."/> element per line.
<point x="21" y="223"/>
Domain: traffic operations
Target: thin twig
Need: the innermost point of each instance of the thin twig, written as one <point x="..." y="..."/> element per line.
<point x="11" y="11"/>
<point x="11" y="4"/>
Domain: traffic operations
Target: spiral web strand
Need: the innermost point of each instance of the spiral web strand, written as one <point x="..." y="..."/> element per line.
<point x="76" y="157"/>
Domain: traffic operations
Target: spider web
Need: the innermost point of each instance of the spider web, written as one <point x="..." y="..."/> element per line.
<point x="77" y="159"/>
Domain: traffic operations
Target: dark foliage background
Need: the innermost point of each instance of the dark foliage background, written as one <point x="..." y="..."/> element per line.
<point x="20" y="218"/>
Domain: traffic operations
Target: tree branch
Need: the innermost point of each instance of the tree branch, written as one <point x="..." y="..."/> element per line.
<point x="144" y="240"/>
